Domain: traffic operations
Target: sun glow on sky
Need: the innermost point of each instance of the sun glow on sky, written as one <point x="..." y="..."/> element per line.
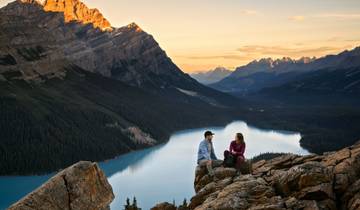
<point x="200" y="35"/>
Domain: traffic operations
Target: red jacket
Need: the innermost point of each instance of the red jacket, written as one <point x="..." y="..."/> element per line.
<point x="237" y="149"/>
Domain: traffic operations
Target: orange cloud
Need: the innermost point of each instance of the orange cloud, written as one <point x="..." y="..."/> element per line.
<point x="297" y="18"/>
<point x="340" y="15"/>
<point x="249" y="12"/>
<point x="212" y="57"/>
<point x="259" y="50"/>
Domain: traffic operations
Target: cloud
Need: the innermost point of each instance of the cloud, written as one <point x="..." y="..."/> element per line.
<point x="335" y="39"/>
<point x="259" y="50"/>
<point x="251" y="52"/>
<point x="297" y="18"/>
<point x="339" y="15"/>
<point x="343" y="16"/>
<point x="249" y="12"/>
<point x="352" y="40"/>
<point x="215" y="57"/>
<point x="234" y="56"/>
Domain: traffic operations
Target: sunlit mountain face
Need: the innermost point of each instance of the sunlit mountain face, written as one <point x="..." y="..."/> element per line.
<point x="74" y="11"/>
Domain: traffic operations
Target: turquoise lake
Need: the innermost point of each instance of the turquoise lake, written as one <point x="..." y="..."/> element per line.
<point x="164" y="172"/>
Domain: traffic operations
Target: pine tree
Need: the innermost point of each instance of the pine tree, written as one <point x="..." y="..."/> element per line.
<point x="134" y="203"/>
<point x="184" y="203"/>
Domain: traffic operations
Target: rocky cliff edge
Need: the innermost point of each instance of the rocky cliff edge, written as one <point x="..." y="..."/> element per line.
<point x="82" y="186"/>
<point x="328" y="181"/>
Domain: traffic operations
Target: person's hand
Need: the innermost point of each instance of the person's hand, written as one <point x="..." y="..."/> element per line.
<point x="209" y="162"/>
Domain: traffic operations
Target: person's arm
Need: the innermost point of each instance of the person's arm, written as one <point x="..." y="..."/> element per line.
<point x="231" y="148"/>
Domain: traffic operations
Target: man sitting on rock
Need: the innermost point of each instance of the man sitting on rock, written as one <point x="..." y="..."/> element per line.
<point x="206" y="154"/>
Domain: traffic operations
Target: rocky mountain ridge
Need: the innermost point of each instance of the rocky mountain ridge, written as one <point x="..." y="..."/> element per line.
<point x="280" y="65"/>
<point x="267" y="72"/>
<point x="211" y="76"/>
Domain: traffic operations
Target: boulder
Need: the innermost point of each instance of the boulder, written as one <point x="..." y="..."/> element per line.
<point x="82" y="186"/>
<point x="164" y="206"/>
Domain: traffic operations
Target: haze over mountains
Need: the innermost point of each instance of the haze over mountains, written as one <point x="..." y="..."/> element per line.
<point x="211" y="76"/>
<point x="72" y="88"/>
<point x="267" y="73"/>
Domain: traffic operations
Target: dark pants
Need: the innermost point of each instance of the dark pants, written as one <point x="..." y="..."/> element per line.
<point x="239" y="159"/>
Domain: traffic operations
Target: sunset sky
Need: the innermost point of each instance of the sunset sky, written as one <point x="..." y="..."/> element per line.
<point x="202" y="34"/>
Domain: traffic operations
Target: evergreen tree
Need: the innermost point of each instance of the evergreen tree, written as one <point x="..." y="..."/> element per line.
<point x="134" y="203"/>
<point x="127" y="205"/>
<point x="184" y="203"/>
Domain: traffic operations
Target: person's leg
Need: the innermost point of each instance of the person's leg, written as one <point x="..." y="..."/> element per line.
<point x="209" y="167"/>
<point x="226" y="153"/>
<point x="239" y="160"/>
<point x="208" y="164"/>
<point x="217" y="163"/>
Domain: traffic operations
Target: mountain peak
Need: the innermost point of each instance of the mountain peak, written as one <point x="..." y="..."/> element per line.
<point x="74" y="10"/>
<point x="220" y="69"/>
<point x="134" y="26"/>
<point x="306" y="60"/>
<point x="40" y="2"/>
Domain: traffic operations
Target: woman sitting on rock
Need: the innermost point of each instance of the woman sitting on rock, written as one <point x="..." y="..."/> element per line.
<point x="237" y="149"/>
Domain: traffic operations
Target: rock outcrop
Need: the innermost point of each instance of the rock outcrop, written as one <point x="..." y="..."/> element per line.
<point x="329" y="181"/>
<point x="81" y="186"/>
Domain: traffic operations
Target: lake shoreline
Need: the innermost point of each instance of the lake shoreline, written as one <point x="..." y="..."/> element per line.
<point x="127" y="172"/>
<point x="159" y="142"/>
<point x="220" y="124"/>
